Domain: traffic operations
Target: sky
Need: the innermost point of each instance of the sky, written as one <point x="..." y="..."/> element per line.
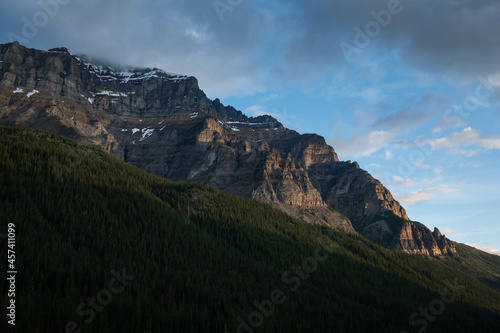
<point x="409" y="89"/>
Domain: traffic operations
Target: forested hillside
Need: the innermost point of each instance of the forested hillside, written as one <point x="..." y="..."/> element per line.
<point x="102" y="246"/>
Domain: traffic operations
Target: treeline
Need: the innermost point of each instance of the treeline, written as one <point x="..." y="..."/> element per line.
<point x="102" y="246"/>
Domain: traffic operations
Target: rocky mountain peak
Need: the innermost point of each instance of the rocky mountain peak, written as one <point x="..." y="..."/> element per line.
<point x="59" y="49"/>
<point x="110" y="73"/>
<point x="163" y="123"/>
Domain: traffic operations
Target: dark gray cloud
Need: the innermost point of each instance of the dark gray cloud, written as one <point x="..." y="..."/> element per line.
<point x="455" y="37"/>
<point x="186" y="37"/>
<point x="260" y="43"/>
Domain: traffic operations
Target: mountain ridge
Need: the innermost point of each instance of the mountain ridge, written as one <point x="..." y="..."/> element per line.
<point x="164" y="124"/>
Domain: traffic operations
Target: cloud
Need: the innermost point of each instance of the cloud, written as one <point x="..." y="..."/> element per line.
<point x="409" y="182"/>
<point x="485" y="248"/>
<point x="262" y="44"/>
<point x="414" y="114"/>
<point x="438" y="171"/>
<point x="398" y="180"/>
<point x="257" y="110"/>
<point x="374" y="165"/>
<point x="287" y="119"/>
<point x="456" y="38"/>
<point x="448" y="232"/>
<point x="471" y="165"/>
<point x="467" y="142"/>
<point x="186" y="37"/>
<point x="270" y="97"/>
<point x="350" y="90"/>
<point x="449" y="122"/>
<point x="426" y="194"/>
<point x="363" y="144"/>
<point x="468" y="137"/>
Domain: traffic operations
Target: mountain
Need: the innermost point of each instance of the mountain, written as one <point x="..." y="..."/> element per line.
<point x="164" y="124"/>
<point x="102" y="246"/>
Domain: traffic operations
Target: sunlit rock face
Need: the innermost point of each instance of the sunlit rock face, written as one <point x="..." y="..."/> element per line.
<point x="163" y="123"/>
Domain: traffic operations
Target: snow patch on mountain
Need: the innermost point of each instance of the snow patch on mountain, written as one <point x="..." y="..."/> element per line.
<point x="146" y="133"/>
<point x="107" y="73"/>
<point x="111" y="93"/>
<point x="32" y="93"/>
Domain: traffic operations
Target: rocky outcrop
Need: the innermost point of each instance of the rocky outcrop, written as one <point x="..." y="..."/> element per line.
<point x="349" y="189"/>
<point x="416" y="238"/>
<point x="163" y="123"/>
<point x="316" y="215"/>
<point x="44" y="110"/>
<point x="343" y="185"/>
<point x="282" y="179"/>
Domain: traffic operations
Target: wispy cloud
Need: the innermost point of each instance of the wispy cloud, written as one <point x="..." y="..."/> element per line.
<point x="427" y="194"/>
<point x="350" y="90"/>
<point x="374" y="165"/>
<point x="388" y="155"/>
<point x="283" y="116"/>
<point x="468" y="142"/>
<point x="485" y="248"/>
<point x="468" y="137"/>
<point x="414" y="114"/>
<point x="363" y="144"/>
<point x="409" y="182"/>
<point x="448" y="231"/>
<point x="270" y="97"/>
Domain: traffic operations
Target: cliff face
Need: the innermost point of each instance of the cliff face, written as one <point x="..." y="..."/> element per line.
<point x="163" y="123"/>
<point x="416" y="238"/>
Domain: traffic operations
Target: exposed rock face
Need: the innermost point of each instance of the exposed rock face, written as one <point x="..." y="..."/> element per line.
<point x="416" y="238"/>
<point x="163" y="123"/>
<point x="346" y="187"/>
